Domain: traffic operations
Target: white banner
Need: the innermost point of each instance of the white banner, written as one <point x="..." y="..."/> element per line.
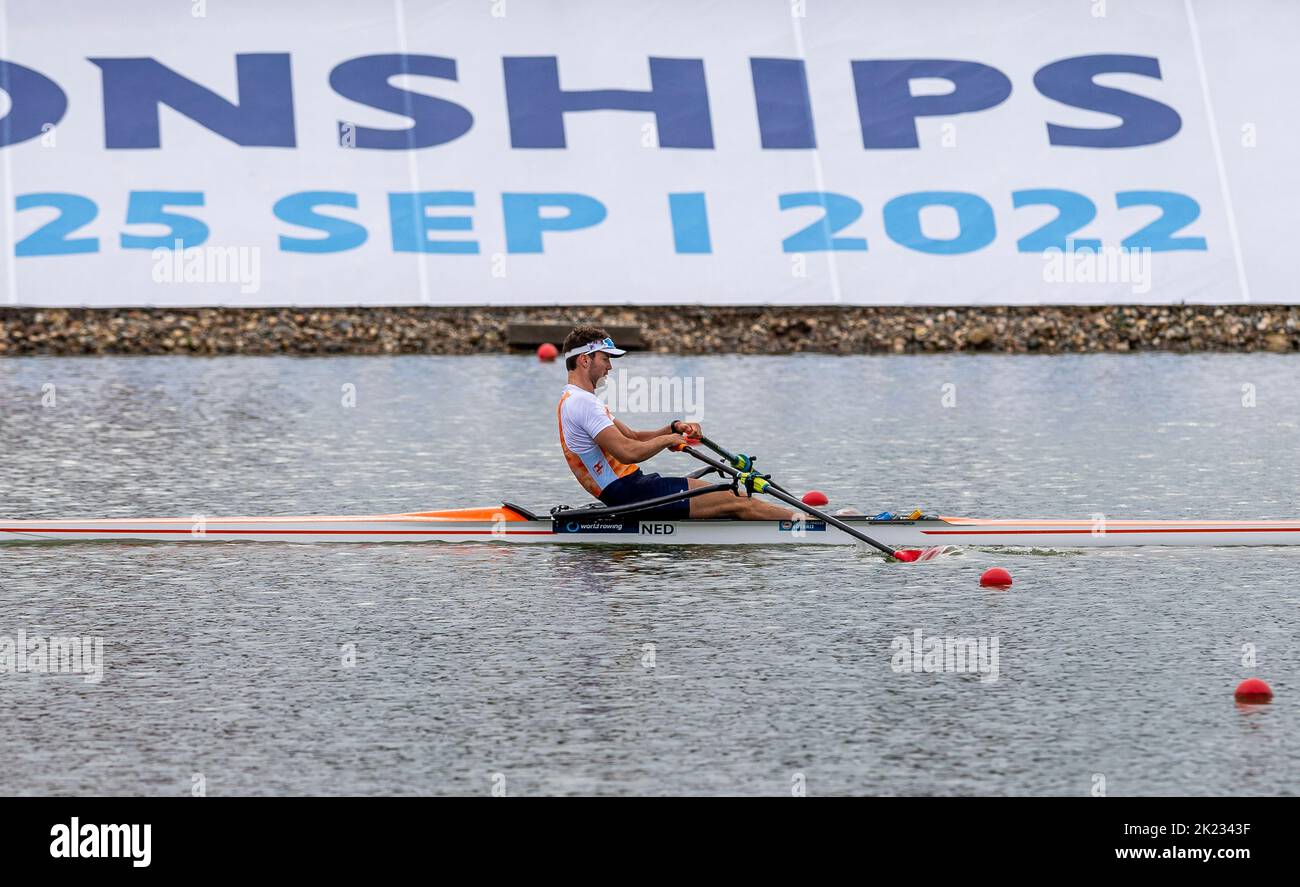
<point x="746" y="151"/>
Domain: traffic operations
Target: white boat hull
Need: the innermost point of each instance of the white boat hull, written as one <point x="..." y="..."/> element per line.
<point x="503" y="525"/>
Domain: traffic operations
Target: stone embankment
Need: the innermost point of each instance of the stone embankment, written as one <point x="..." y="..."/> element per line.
<point x="680" y="329"/>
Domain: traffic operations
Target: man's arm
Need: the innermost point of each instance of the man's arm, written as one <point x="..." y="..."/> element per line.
<point x="691" y="428"/>
<point x="636" y="446"/>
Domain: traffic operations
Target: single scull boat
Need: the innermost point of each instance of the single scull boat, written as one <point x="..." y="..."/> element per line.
<point x="636" y="524"/>
<point x="515" y="524"/>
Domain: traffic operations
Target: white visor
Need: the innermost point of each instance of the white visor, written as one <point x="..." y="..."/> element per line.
<point x="606" y="345"/>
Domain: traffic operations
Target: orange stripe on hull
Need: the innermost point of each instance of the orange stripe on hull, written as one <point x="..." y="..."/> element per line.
<point x="1111" y="530"/>
<point x="212" y="532"/>
<point x="470" y="514"/>
<point x="1108" y="524"/>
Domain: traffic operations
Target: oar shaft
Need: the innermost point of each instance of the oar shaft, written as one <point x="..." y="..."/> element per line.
<point x="773" y="490"/>
<point x="717" y="449"/>
<point x="734" y="461"/>
<point x="830" y="519"/>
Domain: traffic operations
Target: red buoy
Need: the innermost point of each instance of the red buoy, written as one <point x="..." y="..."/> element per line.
<point x="547" y="352"/>
<point x="1255" y="691"/>
<point x="815" y="498"/>
<point x="995" y="577"/>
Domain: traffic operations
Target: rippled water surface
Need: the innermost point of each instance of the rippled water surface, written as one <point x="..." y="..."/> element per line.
<point x="557" y="669"/>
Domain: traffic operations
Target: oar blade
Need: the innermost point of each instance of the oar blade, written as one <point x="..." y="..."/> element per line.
<point x="913" y="555"/>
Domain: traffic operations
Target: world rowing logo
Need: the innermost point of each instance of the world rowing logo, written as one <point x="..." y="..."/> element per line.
<point x="596" y="525"/>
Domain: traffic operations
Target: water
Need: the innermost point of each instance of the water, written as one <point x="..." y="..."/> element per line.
<point x="552" y="669"/>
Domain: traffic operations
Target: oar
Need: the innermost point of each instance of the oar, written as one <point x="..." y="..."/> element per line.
<point x="763" y="485"/>
<point x="740" y="463"/>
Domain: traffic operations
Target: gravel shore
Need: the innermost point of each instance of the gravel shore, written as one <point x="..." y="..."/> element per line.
<point x="680" y="329"/>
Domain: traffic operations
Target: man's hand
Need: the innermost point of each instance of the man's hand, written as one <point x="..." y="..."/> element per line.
<point x="686" y="429"/>
<point x="675" y="442"/>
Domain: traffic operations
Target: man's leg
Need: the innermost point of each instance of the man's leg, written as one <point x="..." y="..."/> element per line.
<point x="724" y="504"/>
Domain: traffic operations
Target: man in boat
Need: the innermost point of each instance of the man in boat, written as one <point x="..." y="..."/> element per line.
<point x="602" y="452"/>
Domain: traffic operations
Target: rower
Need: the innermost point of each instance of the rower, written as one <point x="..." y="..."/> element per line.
<point x="602" y="452"/>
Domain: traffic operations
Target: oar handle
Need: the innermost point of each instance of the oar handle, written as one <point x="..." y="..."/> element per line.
<point x="773" y="490"/>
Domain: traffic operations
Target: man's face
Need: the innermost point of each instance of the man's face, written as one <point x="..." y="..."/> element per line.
<point x="598" y="367"/>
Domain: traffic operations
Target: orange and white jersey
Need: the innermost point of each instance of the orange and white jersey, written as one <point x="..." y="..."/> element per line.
<point x="582" y="417"/>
